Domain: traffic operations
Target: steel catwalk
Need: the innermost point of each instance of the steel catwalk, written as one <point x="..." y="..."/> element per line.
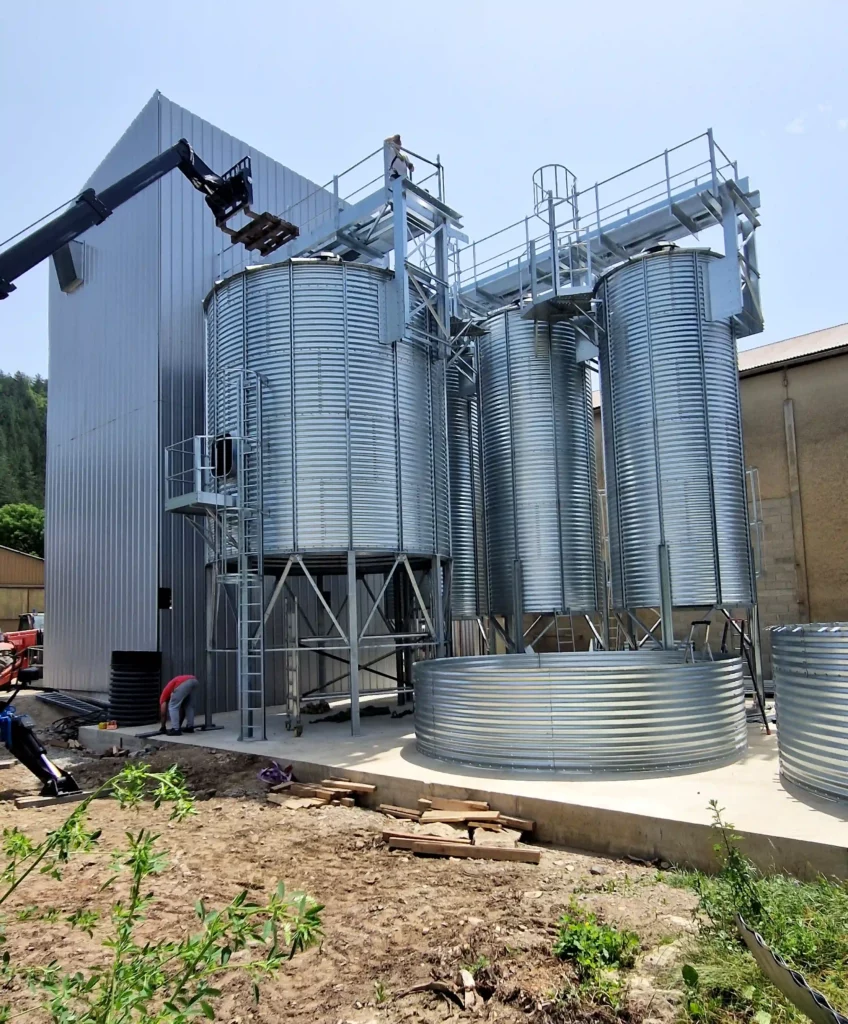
<point x="538" y="467"/>
<point x="354" y="428"/>
<point x="586" y="713"/>
<point x="674" y="463"/>
<point x="810" y="664"/>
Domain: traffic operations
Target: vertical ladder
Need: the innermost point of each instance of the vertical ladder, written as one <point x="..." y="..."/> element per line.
<point x="240" y="544"/>
<point x="564" y="626"/>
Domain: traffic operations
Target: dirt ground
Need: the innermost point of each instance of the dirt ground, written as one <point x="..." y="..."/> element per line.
<point x="391" y="920"/>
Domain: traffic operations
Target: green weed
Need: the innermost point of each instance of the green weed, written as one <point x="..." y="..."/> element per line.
<point x="596" y="950"/>
<point x="806" y="922"/>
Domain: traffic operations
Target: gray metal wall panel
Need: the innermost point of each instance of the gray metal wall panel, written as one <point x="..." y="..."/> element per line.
<point x="127" y="368"/>
<point x="194" y="253"/>
<point x="103" y="493"/>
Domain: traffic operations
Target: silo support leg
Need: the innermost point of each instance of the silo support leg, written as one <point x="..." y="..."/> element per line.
<point x="665" y="598"/>
<point x="353" y="639"/>
<point x="438" y="607"/>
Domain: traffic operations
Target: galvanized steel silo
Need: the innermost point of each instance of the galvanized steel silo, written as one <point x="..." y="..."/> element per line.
<point x="469" y="580"/>
<point x="538" y="467"/>
<point x="811" y="691"/>
<point x="354" y="427"/>
<point x="672" y="435"/>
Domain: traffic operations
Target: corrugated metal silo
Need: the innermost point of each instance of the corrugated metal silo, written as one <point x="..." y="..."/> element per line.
<point x="538" y="467"/>
<point x="672" y="435"/>
<point x="469" y="580"/>
<point x="354" y="438"/>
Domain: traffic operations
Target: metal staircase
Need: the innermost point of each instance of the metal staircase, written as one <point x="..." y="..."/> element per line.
<point x="216" y="478"/>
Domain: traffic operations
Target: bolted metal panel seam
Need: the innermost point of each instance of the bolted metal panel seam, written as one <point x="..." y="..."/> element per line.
<point x="810" y="665"/>
<point x="593" y="712"/>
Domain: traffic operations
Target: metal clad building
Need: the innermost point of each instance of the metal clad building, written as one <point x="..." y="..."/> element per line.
<point x="127" y="363"/>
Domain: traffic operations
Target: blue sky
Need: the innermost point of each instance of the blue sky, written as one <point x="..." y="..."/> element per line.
<point x="495" y="88"/>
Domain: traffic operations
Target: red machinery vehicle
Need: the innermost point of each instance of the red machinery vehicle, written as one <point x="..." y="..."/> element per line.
<point x="18" y="657"/>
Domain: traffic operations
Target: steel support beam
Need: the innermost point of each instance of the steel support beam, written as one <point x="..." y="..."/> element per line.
<point x="353" y="634"/>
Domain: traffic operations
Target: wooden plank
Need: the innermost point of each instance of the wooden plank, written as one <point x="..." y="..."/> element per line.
<point x="347" y="801"/>
<point x="399" y="812"/>
<point x="457" y="817"/>
<point x="8" y="764"/>
<point x="523" y="855"/>
<point x="280" y="799"/>
<point x="488" y="826"/>
<point x="390" y="834"/>
<point x="300" y="789"/>
<point x="48" y="801"/>
<point x="522" y="824"/>
<point x="357" y="787"/>
<point x="424" y="805"/>
<point x="439" y="803"/>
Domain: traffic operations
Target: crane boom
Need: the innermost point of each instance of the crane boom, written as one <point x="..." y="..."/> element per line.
<point x="226" y="195"/>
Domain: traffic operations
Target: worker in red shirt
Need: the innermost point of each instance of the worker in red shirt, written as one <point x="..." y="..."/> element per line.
<point x="177" y="703"/>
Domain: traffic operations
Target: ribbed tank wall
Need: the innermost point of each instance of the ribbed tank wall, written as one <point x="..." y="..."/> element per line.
<point x="354" y="432"/>
<point x="538" y="467"/>
<point x="469" y="583"/>
<point x="672" y="435"/>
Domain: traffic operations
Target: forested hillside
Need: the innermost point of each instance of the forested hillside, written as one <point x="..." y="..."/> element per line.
<point x="23" y="425"/>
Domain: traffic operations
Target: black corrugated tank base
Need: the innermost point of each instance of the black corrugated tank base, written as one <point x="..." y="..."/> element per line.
<point x="134" y="686"/>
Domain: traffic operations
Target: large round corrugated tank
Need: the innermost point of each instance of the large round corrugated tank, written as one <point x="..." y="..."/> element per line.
<point x="538" y="467"/>
<point x="354" y="428"/>
<point x="469" y="583"/>
<point x="672" y="435"/>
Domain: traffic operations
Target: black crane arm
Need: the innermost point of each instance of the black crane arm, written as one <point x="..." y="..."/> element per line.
<point x="226" y="195"/>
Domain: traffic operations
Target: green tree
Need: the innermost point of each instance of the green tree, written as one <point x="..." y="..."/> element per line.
<point x="23" y="438"/>
<point x="22" y="528"/>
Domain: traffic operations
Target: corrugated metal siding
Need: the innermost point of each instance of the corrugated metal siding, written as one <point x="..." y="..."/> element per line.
<point x="673" y="436"/>
<point x="538" y="466"/>
<point x="20" y="570"/>
<point x="103" y="494"/>
<point x="194" y="253"/>
<point x="583" y="714"/>
<point x="127" y="362"/>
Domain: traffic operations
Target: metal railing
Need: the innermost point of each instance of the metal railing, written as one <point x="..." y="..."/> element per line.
<point x="694" y="165"/>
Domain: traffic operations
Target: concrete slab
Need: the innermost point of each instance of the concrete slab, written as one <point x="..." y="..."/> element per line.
<point x="650" y="818"/>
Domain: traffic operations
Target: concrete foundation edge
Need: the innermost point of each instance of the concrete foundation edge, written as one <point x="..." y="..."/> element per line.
<point x="582" y="828"/>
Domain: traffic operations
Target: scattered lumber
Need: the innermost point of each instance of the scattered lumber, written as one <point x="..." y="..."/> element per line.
<point x="455" y="817"/>
<point x="416" y="844"/>
<point x="347" y="801"/>
<point x="389" y="834"/>
<point x="48" y="801"/>
<point x="520" y="824"/>
<point x="300" y="789"/>
<point x="400" y="812"/>
<point x="354" y="787"/>
<point x="8" y="764"/>
<point x="487" y="826"/>
<point x="439" y="803"/>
